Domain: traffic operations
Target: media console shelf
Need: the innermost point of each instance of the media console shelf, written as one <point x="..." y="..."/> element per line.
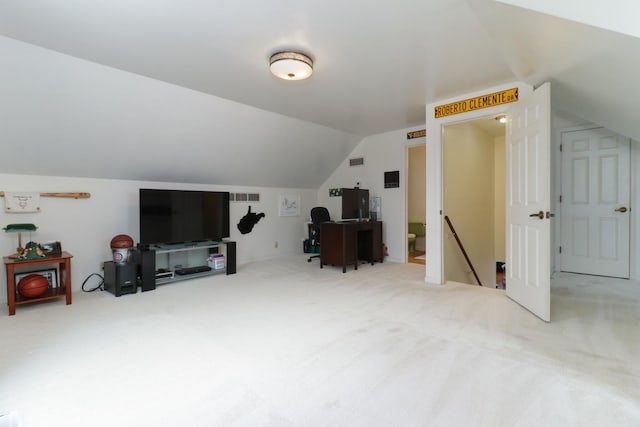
<point x="163" y="263"/>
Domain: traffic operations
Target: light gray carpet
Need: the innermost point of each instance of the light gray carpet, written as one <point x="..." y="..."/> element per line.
<point x="285" y="343"/>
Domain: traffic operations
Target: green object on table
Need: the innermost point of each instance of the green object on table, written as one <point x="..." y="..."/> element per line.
<point x="31" y="251"/>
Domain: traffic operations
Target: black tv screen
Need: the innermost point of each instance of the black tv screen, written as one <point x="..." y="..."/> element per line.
<point x="177" y="216"/>
<point x="355" y="203"/>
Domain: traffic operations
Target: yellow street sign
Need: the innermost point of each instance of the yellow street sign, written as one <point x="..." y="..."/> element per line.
<point x="417" y="134"/>
<point x="477" y="103"/>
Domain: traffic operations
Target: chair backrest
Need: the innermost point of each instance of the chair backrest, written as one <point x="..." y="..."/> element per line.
<point x="320" y="214"/>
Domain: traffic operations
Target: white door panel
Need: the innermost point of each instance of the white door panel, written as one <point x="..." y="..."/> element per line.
<point x="528" y="194"/>
<point x="595" y="186"/>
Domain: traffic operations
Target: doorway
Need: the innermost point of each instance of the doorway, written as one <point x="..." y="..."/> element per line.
<point x="474" y="166"/>
<point x="528" y="202"/>
<point x="416" y="203"/>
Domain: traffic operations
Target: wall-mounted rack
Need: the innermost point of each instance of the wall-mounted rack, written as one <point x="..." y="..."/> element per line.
<point x="74" y="195"/>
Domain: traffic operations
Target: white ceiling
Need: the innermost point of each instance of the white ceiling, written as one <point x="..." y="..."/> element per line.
<point x="376" y="63"/>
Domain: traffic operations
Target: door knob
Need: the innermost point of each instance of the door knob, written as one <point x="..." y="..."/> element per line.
<point x="537" y="214"/>
<point x="622" y="209"/>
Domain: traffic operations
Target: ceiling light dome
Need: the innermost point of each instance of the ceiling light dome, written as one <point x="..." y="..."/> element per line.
<point x="291" y="65"/>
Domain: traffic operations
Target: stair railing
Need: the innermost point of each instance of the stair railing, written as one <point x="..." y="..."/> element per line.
<point x="466" y="257"/>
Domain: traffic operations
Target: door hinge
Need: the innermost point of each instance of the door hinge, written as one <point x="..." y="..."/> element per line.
<point x="561" y="148"/>
<point x="560" y="249"/>
<point x="560" y="199"/>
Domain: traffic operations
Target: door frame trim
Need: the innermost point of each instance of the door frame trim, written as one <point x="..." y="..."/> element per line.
<point x="434" y="269"/>
<point x="557" y="190"/>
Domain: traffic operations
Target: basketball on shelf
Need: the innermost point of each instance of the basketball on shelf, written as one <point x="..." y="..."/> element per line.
<point x="121" y="241"/>
<point x="120" y="246"/>
<point x="33" y="286"/>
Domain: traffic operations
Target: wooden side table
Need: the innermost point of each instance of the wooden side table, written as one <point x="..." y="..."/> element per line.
<point x="64" y="281"/>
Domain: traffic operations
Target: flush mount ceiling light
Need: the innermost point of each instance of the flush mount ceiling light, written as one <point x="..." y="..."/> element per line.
<point x="502" y="118"/>
<point x="291" y="65"/>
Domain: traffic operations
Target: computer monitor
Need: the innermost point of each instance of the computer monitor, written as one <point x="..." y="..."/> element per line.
<point x="355" y="204"/>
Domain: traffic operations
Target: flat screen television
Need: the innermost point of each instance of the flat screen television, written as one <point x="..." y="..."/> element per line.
<point x="355" y="204"/>
<point x="180" y="216"/>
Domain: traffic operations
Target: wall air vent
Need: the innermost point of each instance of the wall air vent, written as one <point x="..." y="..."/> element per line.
<point x="358" y="161"/>
<point x="244" y="197"/>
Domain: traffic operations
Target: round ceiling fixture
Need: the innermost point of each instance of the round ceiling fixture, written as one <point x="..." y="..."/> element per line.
<point x="291" y="65"/>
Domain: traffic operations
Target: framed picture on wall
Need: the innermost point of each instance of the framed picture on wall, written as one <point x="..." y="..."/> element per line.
<point x="289" y="205"/>
<point x="392" y="179"/>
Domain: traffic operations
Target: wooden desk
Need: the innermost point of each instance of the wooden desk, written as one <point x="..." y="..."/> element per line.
<point x="344" y="243"/>
<point x="64" y="280"/>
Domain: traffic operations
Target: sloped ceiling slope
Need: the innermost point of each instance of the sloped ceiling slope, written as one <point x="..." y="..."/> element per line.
<point x="64" y="116"/>
<point x="592" y="70"/>
<point x="180" y="91"/>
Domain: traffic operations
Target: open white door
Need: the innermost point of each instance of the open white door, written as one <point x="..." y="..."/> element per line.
<point x="528" y="203"/>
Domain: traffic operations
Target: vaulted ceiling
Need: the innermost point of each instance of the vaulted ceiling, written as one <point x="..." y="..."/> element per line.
<point x="187" y="83"/>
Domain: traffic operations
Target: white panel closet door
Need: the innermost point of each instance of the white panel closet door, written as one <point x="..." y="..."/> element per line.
<point x="595" y="203"/>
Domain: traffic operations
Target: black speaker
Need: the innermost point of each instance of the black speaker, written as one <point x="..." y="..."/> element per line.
<point x="121" y="279"/>
<point x="147" y="270"/>
<point x="231" y="257"/>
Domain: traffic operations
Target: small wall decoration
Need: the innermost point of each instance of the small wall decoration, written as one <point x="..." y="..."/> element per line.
<point x="417" y="134"/>
<point x="21" y="202"/>
<point x="289" y="206"/>
<point x="335" y="192"/>
<point x="477" y="103"/>
<point x="392" y="179"/>
<point x="248" y="221"/>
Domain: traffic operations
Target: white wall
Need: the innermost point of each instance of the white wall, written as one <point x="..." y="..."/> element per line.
<point x="85" y="226"/>
<point x="469" y="203"/>
<point x="382" y="152"/>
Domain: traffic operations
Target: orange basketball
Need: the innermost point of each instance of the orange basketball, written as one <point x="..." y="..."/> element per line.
<point x="121" y="241"/>
<point x="33" y="285"/>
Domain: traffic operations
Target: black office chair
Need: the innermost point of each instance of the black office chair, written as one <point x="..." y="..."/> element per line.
<point x="319" y="214"/>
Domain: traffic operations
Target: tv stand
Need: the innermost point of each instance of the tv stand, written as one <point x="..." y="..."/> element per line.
<point x="172" y="262"/>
